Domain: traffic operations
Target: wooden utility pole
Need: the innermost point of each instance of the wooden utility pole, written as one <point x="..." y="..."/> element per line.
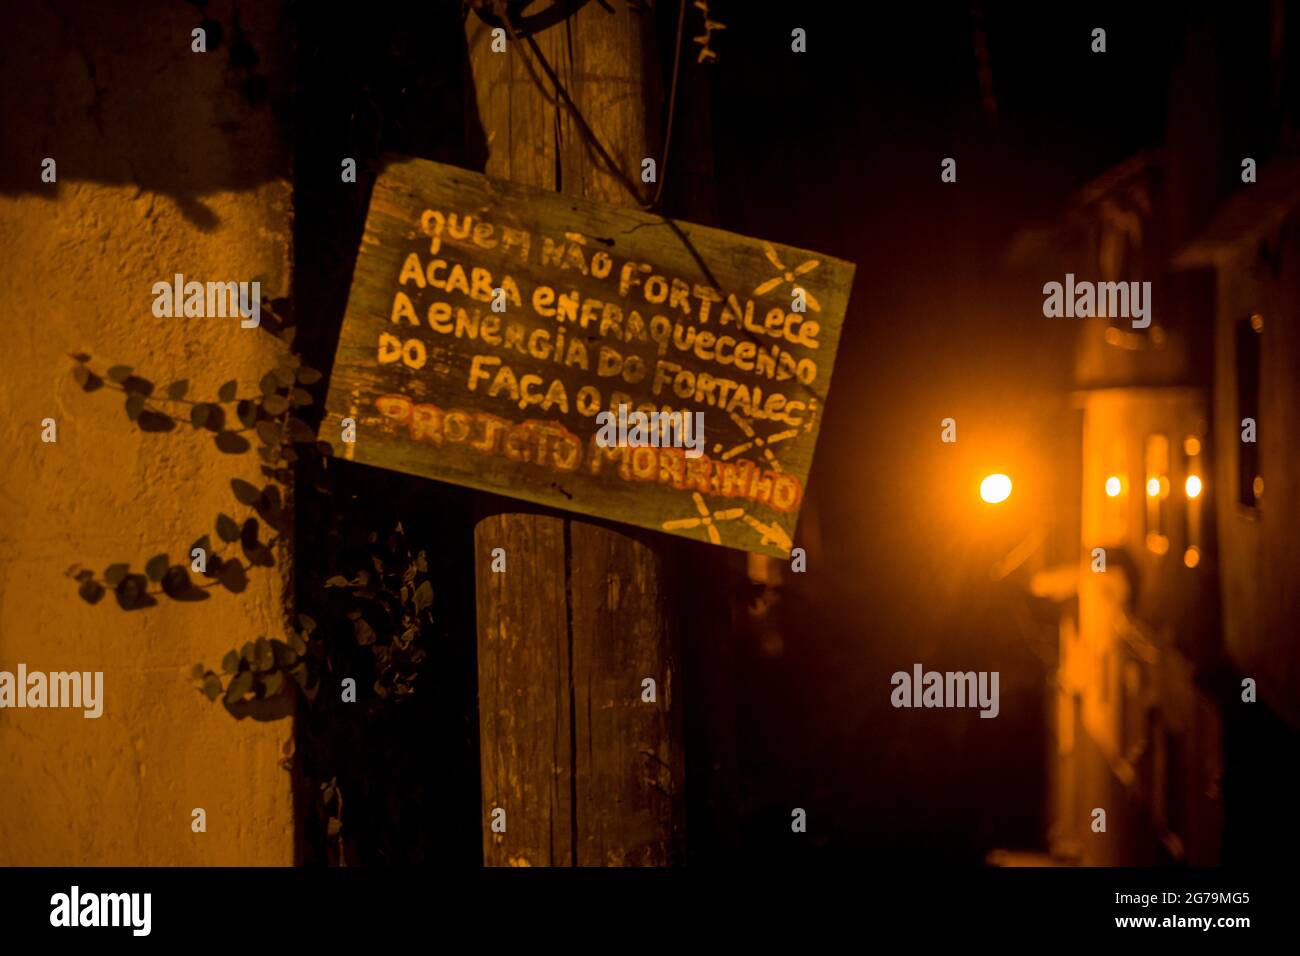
<point x="586" y="772"/>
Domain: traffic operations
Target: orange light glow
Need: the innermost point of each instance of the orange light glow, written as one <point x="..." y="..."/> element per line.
<point x="1192" y="445"/>
<point x="1113" y="487"/>
<point x="1193" y="486"/>
<point x="995" y="489"/>
<point x="1192" y="557"/>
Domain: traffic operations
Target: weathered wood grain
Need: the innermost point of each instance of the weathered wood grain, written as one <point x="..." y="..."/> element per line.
<point x="406" y="368"/>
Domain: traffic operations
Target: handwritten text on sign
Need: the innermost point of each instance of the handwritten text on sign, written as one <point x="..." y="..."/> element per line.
<point x="489" y="323"/>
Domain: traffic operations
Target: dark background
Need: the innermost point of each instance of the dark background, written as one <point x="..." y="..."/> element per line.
<point x="836" y="150"/>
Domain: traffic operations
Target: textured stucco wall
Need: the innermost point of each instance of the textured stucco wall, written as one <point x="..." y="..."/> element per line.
<point x="166" y="164"/>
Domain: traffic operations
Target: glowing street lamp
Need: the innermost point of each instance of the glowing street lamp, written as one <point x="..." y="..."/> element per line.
<point x="1113" y="487"/>
<point x="995" y="489"/>
<point x="1193" y="486"/>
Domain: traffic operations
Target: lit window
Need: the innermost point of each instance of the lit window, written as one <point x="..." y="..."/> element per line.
<point x="1194" y="486"/>
<point x="1157" y="489"/>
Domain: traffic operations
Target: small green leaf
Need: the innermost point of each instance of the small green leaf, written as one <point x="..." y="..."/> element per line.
<point x="275" y="404"/>
<point x="232" y="444"/>
<point x="423" y="596"/>
<point x="138" y="386"/>
<point x="269" y="432"/>
<point x="156" y="567"/>
<point x="240" y="685"/>
<point x="363" y="632"/>
<point x="177" y="390"/>
<point x="198" y="671"/>
<point x="263" y="656"/>
<point x="300" y="431"/>
<point x="134" y="405"/>
<point x="230" y="663"/>
<point x="308" y="375"/>
<point x="300" y="396"/>
<point x="272" y="683"/>
<point x="119" y="373"/>
<point x="227" y="529"/>
<point x="212" y="687"/>
<point x="228" y="390"/>
<point x="114" y="574"/>
<point x="245" y="493"/>
<point x="92" y="592"/>
<point x="285" y="656"/>
<point x="176" y="584"/>
<point x="199" y="414"/>
<point x="284" y="376"/>
<point x="246" y="410"/>
<point x="269" y="384"/>
<point x="232" y="576"/>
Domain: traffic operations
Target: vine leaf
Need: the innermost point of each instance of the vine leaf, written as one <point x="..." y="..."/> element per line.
<point x="245" y="493"/>
<point x="232" y="576"/>
<point x="263" y="656"/>
<point x="227" y="529"/>
<point x="177" y="390"/>
<point x="423" y="596"/>
<point x="156" y="567"/>
<point x="91" y="591"/>
<point x="269" y="432"/>
<point x="212" y="687"/>
<point x="134" y="405"/>
<point x="176" y="584"/>
<point x="240" y="685"/>
<point x="232" y="444"/>
<point x="114" y="574"/>
<point x="228" y="390"/>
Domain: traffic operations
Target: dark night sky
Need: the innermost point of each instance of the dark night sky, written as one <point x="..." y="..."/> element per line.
<point x="839" y="150"/>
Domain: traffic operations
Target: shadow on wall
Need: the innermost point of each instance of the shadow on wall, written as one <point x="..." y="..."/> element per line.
<point x="141" y="100"/>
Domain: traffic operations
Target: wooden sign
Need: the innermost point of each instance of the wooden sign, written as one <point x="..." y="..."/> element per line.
<point x="490" y="324"/>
